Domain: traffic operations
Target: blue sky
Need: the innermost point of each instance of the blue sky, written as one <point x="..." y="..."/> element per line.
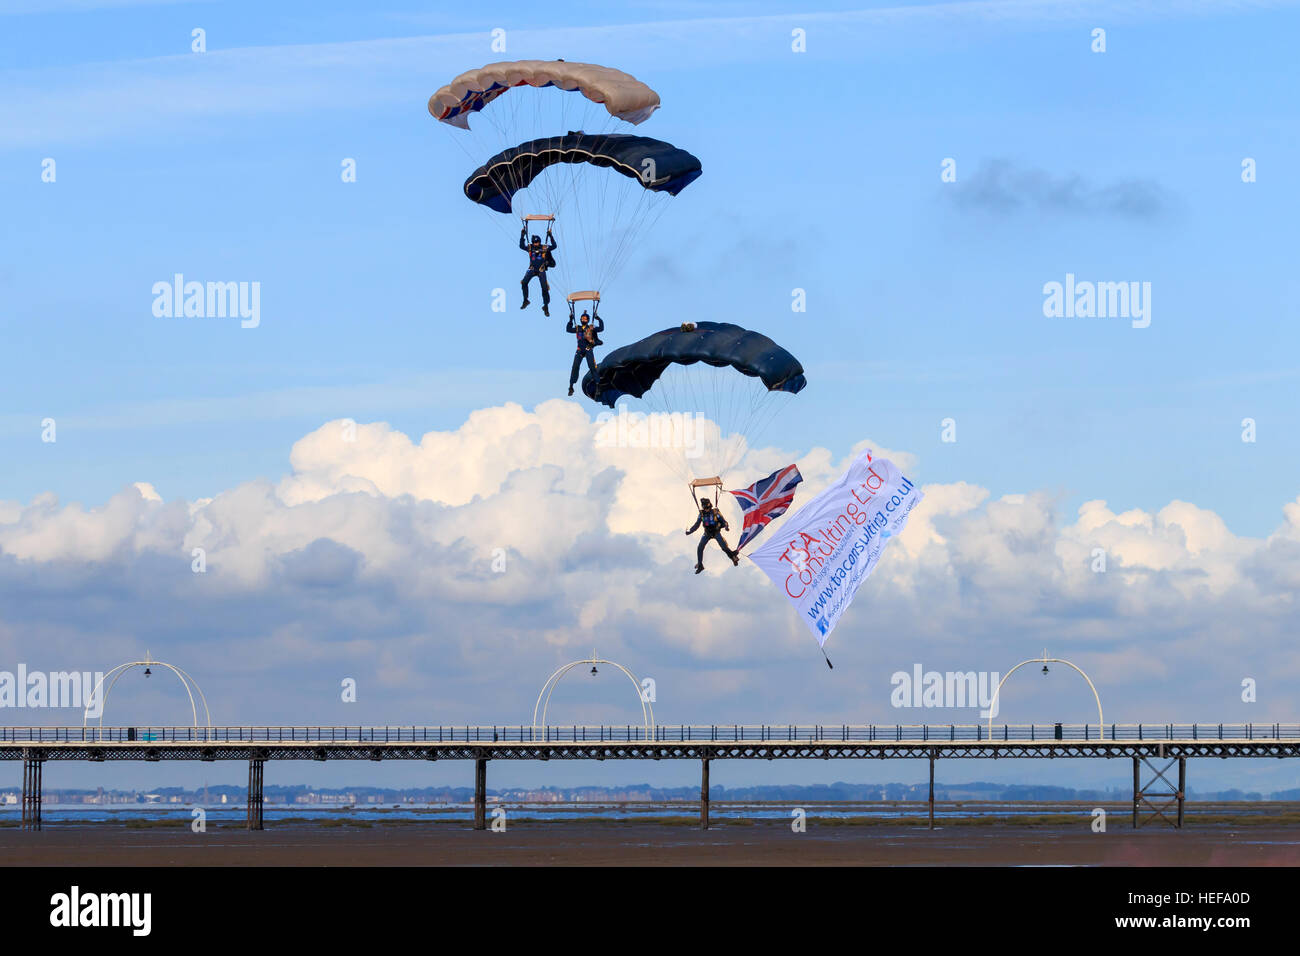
<point x="919" y="309"/>
<point x="821" y="172"/>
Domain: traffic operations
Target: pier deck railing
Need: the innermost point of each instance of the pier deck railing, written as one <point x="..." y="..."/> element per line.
<point x="665" y="733"/>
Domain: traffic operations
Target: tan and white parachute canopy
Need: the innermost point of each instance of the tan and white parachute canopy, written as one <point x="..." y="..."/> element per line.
<point x="623" y="95"/>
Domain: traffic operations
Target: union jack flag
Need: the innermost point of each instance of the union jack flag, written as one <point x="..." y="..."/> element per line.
<point x="766" y="499"/>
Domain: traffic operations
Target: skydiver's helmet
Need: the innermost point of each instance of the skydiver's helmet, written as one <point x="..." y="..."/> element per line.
<point x="584" y="318"/>
<point x="537" y="240"/>
<point x="706" y="504"/>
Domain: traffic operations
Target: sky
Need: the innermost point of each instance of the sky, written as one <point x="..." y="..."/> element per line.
<point x="823" y="171"/>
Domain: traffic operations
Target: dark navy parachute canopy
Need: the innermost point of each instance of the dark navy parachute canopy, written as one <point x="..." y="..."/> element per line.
<point x="634" y="369"/>
<point x="495" y="183"/>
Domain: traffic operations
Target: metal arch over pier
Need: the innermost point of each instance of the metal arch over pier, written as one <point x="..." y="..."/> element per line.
<point x="1149" y="744"/>
<point x="1045" y="660"/>
<point x="189" y="683"/>
<point x="544" y="697"/>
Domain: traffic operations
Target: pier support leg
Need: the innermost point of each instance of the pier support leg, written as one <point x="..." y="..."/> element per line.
<point x="931" y="789"/>
<point x="480" y="793"/>
<point x="1159" y="794"/>
<point x="32" y="791"/>
<point x="1182" y="788"/>
<point x="704" y="793"/>
<point x="255" y="798"/>
<point x="1137" y="789"/>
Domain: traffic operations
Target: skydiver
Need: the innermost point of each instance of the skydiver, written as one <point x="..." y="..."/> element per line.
<point x="539" y="260"/>
<point x="714" y="524"/>
<point x="588" y="333"/>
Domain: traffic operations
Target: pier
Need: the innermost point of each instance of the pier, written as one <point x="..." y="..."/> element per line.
<point x="1159" y="752"/>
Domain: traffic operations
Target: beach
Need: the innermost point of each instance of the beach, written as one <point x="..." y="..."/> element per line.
<point x="668" y="843"/>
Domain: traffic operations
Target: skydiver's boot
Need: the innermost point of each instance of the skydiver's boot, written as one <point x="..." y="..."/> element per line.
<point x="699" y="568"/>
<point x="735" y="558"/>
<point x="525" y="304"/>
<point x="570" y="389"/>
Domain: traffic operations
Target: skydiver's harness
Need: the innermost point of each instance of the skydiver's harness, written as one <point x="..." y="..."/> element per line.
<point x="588" y="335"/>
<point x="711" y="521"/>
<point x="539" y="254"/>
<point x="587" y="340"/>
<point x="539" y="258"/>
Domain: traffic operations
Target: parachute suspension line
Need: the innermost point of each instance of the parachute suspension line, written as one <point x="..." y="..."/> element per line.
<point x="472" y="144"/>
<point x="596" y="199"/>
<point x="712" y="387"/>
<point x="553" y="199"/>
<point x="550" y="201"/>
<point x="733" y="445"/>
<point x="766" y="407"/>
<point x="719" y="381"/>
<point x="580" y="215"/>
<point x="607" y="183"/>
<point x="673" y="400"/>
<point x="731" y="401"/>
<point x="771" y="405"/>
<point x="597" y="184"/>
<point x="699" y="406"/>
<point x="564" y="183"/>
<point x="650" y="207"/>
<point x="754" y="398"/>
<point x="587" y="191"/>
<point x="705" y="404"/>
<point x="759" y="400"/>
<point x="463" y="143"/>
<point x="558" y="188"/>
<point x="591" y="202"/>
<point x="746" y="419"/>
<point x="611" y="202"/>
<point x="714" y="382"/>
<point x="706" y="385"/>
<point x="653" y="206"/>
<point x="697" y="389"/>
<point x="645" y="209"/>
<point x="739" y="418"/>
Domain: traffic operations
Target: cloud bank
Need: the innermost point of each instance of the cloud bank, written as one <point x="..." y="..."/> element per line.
<point x="451" y="574"/>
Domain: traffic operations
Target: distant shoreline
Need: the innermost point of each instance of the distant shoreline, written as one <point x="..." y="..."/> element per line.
<point x="672" y="813"/>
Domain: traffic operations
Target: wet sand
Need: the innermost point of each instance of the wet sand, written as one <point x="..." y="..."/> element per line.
<point x="583" y="843"/>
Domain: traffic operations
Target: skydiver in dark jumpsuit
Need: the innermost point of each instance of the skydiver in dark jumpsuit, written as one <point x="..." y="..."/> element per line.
<point x="539" y="260"/>
<point x="714" y="524"/>
<point x="588" y="333"/>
